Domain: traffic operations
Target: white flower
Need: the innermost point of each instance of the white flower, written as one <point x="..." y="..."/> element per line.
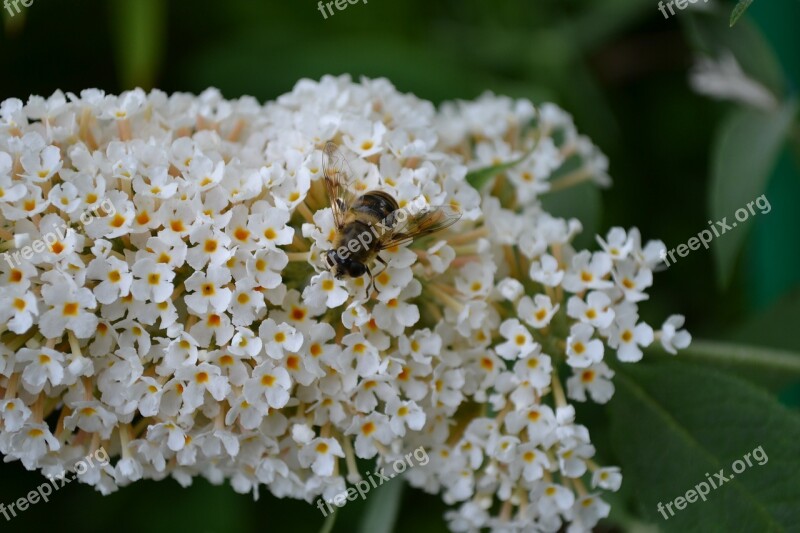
<point x="673" y="338"/>
<point x="582" y="351"/>
<point x="626" y="336"/>
<point x="596" y="311"/>
<point x="538" y="312"/>
<point x="596" y="380"/>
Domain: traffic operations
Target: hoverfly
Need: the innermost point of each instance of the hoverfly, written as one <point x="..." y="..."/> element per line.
<point x="371" y="222"/>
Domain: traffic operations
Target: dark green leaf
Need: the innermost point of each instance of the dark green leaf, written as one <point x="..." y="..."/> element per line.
<point x="774" y="368"/>
<point x="745" y="150"/>
<point x="673" y="423"/>
<point x="739" y="10"/>
<point x="383" y="505"/>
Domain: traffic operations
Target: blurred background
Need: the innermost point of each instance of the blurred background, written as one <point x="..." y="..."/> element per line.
<point x="678" y="158"/>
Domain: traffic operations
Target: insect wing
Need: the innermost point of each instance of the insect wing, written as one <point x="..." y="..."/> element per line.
<point x="337" y="182"/>
<point x="429" y="220"/>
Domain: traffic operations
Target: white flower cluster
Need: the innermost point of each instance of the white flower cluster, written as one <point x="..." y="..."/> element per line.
<point x="192" y="329"/>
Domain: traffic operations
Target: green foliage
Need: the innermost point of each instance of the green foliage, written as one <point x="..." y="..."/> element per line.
<point x="746" y="149"/>
<point x="672" y="423"/>
<point x="739" y="10"/>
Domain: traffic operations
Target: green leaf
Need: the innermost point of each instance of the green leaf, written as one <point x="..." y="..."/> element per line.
<point x="582" y="201"/>
<point x="745" y="150"/>
<point x="672" y="423"/>
<point x="383" y="506"/>
<point x="327" y="526"/>
<point x="774" y="368"/>
<point x="770" y="327"/>
<point x="139" y="30"/>
<point x="739" y="10"/>
<point x="481" y="176"/>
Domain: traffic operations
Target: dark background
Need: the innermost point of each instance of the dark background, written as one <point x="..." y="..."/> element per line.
<point x="618" y="66"/>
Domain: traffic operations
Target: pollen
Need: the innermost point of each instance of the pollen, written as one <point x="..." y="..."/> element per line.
<point x="208" y="289"/>
<point x="201" y="377"/>
<point x="35" y="432"/>
<point x="261" y="265"/>
<point x="44" y="359"/>
<point x="384" y="278"/>
<point x="550" y="491"/>
<point x="591" y="314"/>
<point x="359" y="348"/>
<point x="57" y="247"/>
<point x="294" y="196"/>
<point x="280" y="337"/>
<point x="15" y="276"/>
<point x="270" y="234"/>
<point x="293" y="362"/>
<point x="414" y="346"/>
<point x="628" y="283"/>
<point x="29" y="205"/>
<point x="403" y="411"/>
<point x="587" y="376"/>
<point x="586" y="277"/>
<point x="534" y="416"/>
<point x="214" y="320"/>
<point x="578" y="348"/>
<point x="476" y="286"/>
<point x="529" y="456"/>
<point x="520" y="340"/>
<point x="211" y="246"/>
<point x="164" y="258"/>
<point x="268" y="380"/>
<point x="226" y="360"/>
<point x="322" y="448"/>
<point x="627" y="336"/>
<point x="114" y="276"/>
<point x="541" y="314"/>
<point x="117" y="221"/>
<point x="102" y="328"/>
<point x="487" y="364"/>
<point x="154" y="278"/>
<point x="71" y="309"/>
<point x="533" y="363"/>
<point x="315" y="350"/>
<point x="177" y="226"/>
<point x="298" y="313"/>
<point x="368" y="429"/>
<point x="241" y="234"/>
<point x="328" y="285"/>
<point x="243" y="298"/>
<point x="19" y="304"/>
<point x="367" y="145"/>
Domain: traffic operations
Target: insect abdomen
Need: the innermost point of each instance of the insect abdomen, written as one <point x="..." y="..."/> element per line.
<point x="377" y="204"/>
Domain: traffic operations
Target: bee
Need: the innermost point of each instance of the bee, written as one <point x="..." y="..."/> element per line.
<point x="371" y="222"/>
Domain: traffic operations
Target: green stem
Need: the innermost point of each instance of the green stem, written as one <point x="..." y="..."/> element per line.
<point x="732" y="354"/>
<point x="327" y="527"/>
